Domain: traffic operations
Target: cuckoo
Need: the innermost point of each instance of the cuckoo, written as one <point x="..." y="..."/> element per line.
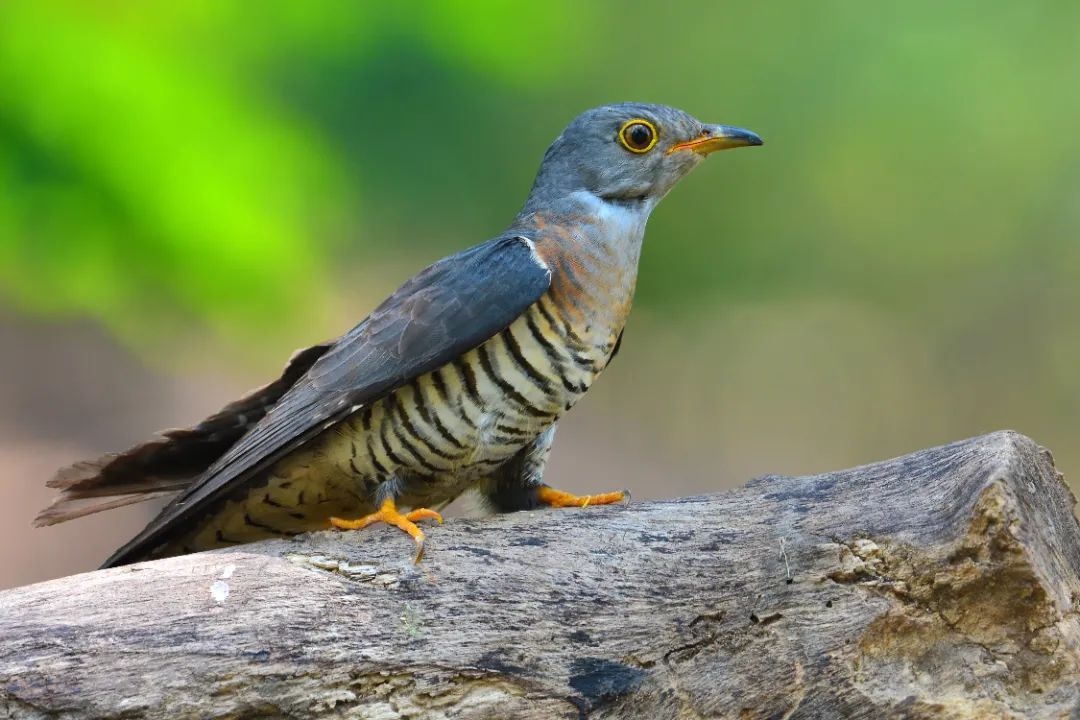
<point x="456" y="381"/>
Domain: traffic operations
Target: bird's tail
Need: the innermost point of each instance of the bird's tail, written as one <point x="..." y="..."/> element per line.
<point x="171" y="462"/>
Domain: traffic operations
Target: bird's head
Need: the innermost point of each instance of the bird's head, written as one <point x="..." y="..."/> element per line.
<point x="630" y="152"/>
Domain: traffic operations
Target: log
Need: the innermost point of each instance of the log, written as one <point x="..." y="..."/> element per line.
<point x="943" y="584"/>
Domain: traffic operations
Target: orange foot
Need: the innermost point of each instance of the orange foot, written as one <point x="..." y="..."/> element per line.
<point x="558" y="498"/>
<point x="388" y="514"/>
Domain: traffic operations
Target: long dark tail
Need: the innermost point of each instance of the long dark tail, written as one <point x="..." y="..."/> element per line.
<point x="171" y="462"/>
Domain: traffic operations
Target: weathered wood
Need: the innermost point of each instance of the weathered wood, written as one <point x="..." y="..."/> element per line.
<point x="941" y="584"/>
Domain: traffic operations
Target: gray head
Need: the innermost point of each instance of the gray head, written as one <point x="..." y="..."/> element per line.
<point x="629" y="153"/>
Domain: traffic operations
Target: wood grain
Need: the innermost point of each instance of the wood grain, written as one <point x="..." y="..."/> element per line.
<point x="940" y="584"/>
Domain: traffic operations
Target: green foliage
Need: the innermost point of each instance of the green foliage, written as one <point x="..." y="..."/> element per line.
<point x="214" y="162"/>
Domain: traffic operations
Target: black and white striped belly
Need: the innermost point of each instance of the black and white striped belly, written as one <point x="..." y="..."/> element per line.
<point x="457" y="424"/>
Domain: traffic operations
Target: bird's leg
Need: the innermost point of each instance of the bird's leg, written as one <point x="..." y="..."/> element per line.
<point x="518" y="485"/>
<point x="388" y="513"/>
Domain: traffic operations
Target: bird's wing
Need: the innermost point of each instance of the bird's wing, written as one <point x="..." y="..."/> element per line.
<point x="451" y="307"/>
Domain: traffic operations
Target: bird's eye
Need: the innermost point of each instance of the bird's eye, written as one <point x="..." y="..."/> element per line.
<point x="638" y="136"/>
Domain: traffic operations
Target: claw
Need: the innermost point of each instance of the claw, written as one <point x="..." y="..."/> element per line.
<point x="389" y="514"/>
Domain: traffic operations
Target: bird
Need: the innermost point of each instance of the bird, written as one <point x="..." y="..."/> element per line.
<point x="457" y="381"/>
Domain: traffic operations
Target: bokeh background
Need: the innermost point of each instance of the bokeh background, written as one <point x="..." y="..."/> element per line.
<point x="191" y="190"/>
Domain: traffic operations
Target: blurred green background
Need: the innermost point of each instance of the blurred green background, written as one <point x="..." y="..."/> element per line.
<point x="188" y="191"/>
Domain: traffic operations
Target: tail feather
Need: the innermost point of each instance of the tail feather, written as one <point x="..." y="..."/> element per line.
<point x="171" y="462"/>
<point x="71" y="508"/>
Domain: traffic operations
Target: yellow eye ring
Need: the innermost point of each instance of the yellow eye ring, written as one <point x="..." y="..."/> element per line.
<point x="638" y="135"/>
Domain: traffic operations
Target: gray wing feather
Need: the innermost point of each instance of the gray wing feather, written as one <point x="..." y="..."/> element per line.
<point x="451" y="307"/>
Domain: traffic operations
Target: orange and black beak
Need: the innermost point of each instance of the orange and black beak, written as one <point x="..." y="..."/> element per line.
<point x="719" y="137"/>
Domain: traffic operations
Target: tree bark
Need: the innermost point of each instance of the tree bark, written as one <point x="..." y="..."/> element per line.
<point x="940" y="584"/>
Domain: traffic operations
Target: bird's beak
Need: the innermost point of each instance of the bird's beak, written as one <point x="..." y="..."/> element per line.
<point x="718" y="137"/>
